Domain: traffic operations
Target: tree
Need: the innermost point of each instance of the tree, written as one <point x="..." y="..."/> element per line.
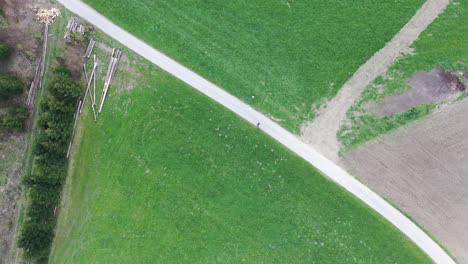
<point x="35" y="238"/>
<point x="9" y="86"/>
<point x="64" y="89"/>
<point x="5" y="51"/>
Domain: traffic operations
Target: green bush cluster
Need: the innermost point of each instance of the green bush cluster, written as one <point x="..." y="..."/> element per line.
<point x="15" y="118"/>
<point x="49" y="168"/>
<point x="9" y="86"/>
<point x="5" y="51"/>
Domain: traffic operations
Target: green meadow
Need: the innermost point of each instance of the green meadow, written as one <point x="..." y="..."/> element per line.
<point x="168" y="176"/>
<point x="284" y="57"/>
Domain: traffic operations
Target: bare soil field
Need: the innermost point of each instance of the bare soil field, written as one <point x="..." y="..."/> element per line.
<point x="423" y="169"/>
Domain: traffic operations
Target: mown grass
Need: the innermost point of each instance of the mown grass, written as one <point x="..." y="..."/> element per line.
<point x="168" y="176"/>
<point x="289" y="55"/>
<point x="441" y="45"/>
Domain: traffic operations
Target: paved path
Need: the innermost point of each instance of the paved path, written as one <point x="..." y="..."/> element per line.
<point x="268" y="126"/>
<point x="321" y="133"/>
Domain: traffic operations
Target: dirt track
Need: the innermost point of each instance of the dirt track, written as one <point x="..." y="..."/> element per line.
<point x="423" y="169"/>
<point x="321" y="133"/>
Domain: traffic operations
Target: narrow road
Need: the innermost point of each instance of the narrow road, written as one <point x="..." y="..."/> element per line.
<point x="321" y="133"/>
<point x="271" y="128"/>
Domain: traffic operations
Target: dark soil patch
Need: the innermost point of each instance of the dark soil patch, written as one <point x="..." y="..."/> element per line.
<point x="435" y="87"/>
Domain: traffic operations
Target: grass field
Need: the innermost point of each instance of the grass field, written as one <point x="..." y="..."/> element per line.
<point x="289" y="55"/>
<point x="168" y="176"/>
<point x="441" y="45"/>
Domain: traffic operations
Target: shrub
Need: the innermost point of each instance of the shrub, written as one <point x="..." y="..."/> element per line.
<point x="61" y="69"/>
<point x="35" y="238"/>
<point x="63" y="88"/>
<point x="15" y="118"/>
<point x="48" y="175"/>
<point x="45" y="199"/>
<point x="12" y="122"/>
<point x="9" y="86"/>
<point x="5" y="51"/>
<point x="48" y="149"/>
<point x="40" y="213"/>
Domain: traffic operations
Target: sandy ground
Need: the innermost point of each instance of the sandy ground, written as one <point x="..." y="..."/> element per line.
<point x="321" y="133"/>
<point x="423" y="169"/>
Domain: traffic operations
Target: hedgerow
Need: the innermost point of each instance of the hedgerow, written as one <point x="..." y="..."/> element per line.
<point x="49" y="168"/>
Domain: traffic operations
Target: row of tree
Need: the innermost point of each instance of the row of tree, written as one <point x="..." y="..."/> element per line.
<point x="49" y="170"/>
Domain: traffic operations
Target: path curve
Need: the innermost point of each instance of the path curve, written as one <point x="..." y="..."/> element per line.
<point x="321" y="133"/>
<point x="271" y="128"/>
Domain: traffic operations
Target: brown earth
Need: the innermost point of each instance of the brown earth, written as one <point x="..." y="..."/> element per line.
<point x="73" y="59"/>
<point x="433" y="87"/>
<point x="423" y="169"/>
<point x="24" y="34"/>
